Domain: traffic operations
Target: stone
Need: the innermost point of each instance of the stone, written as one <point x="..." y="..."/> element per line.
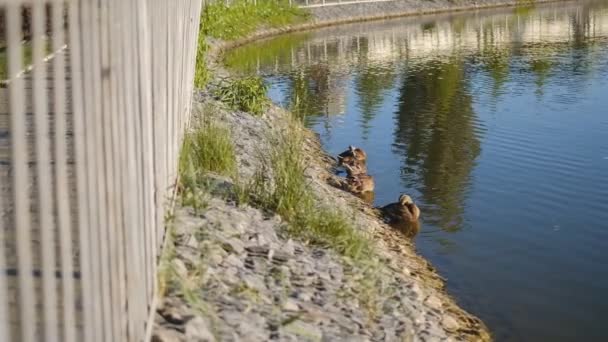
<point x="233" y="260"/>
<point x="288" y="248"/>
<point x="192" y="242"/>
<point x="197" y="329"/>
<point x="433" y="302"/>
<point x="304" y="296"/>
<point x="258" y="251"/>
<point x="214" y="258"/>
<point x="450" y="323"/>
<point x="324" y="276"/>
<point x="253" y="328"/>
<point x="291" y="305"/>
<point x="166" y="335"/>
<point x="233" y="245"/>
<point x="262" y="240"/>
<point x="254" y="282"/>
<point x="172" y="315"/>
<point x="305" y="331"/>
<point x="228" y="228"/>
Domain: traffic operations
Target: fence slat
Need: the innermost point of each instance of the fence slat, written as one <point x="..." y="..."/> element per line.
<point x="19" y="154"/>
<point x="61" y="175"/>
<point x="5" y="332"/>
<point x="118" y="167"/>
<point x="74" y="17"/>
<point x="45" y="220"/>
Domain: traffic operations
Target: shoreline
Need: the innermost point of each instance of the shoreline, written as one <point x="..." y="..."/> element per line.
<point x="418" y="306"/>
<point x="330" y="16"/>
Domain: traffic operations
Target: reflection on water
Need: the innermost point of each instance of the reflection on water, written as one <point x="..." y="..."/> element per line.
<point x="435" y="131"/>
<point x="408" y="229"/>
<point x="495" y="123"/>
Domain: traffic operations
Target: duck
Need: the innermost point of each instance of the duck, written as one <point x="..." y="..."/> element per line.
<point x="352" y="154"/>
<point x="404" y="211"/>
<point x="357" y="183"/>
<point x="354" y="167"/>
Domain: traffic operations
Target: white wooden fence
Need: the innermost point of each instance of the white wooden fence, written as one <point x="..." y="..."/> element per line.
<point x="93" y="105"/>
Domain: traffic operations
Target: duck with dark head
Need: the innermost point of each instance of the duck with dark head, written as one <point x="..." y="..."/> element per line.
<point x="353" y="154"/>
<point x="403" y="211"/>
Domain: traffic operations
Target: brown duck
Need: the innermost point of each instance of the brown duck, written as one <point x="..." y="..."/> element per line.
<point x="353" y="154"/>
<point x="404" y="211"/>
<point x="357" y="183"/>
<point x="355" y="168"/>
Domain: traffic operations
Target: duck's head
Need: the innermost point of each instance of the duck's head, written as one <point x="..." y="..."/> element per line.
<point x="405" y="200"/>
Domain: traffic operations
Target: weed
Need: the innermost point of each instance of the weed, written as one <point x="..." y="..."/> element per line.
<point x="243" y="17"/>
<point x="187" y="287"/>
<point x="239" y="19"/>
<point x="283" y="188"/>
<point x="201" y="72"/>
<point x="247" y="94"/>
<point x="208" y="148"/>
<point x="166" y="274"/>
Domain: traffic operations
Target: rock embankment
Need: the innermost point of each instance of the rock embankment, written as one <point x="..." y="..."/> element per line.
<point x="348" y="12"/>
<point x="238" y="277"/>
<point x="388" y="9"/>
<point x="246" y="281"/>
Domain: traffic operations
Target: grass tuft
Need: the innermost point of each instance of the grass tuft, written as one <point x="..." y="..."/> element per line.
<point x="166" y="274"/>
<point x="201" y="71"/>
<point x="207" y="148"/>
<point x="283" y="188"/>
<point x="247" y="94"/>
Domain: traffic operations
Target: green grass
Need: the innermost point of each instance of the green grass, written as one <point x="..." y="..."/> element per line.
<point x="166" y="274"/>
<point x="201" y="72"/>
<point x="283" y="189"/>
<point x="247" y="94"/>
<point x="207" y="148"/>
<point x="238" y="20"/>
<point x="244" y="17"/>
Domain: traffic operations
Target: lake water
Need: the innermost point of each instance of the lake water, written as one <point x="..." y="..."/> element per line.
<point x="496" y="123"/>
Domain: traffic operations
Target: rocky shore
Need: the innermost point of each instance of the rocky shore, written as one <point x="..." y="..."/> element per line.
<point x="235" y="275"/>
<point x="250" y="282"/>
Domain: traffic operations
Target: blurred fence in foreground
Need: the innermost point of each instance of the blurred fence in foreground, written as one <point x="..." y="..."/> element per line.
<point x="94" y="98"/>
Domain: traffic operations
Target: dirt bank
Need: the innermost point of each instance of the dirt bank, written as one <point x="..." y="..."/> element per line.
<point x="235" y="275"/>
<point x="251" y="282"/>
